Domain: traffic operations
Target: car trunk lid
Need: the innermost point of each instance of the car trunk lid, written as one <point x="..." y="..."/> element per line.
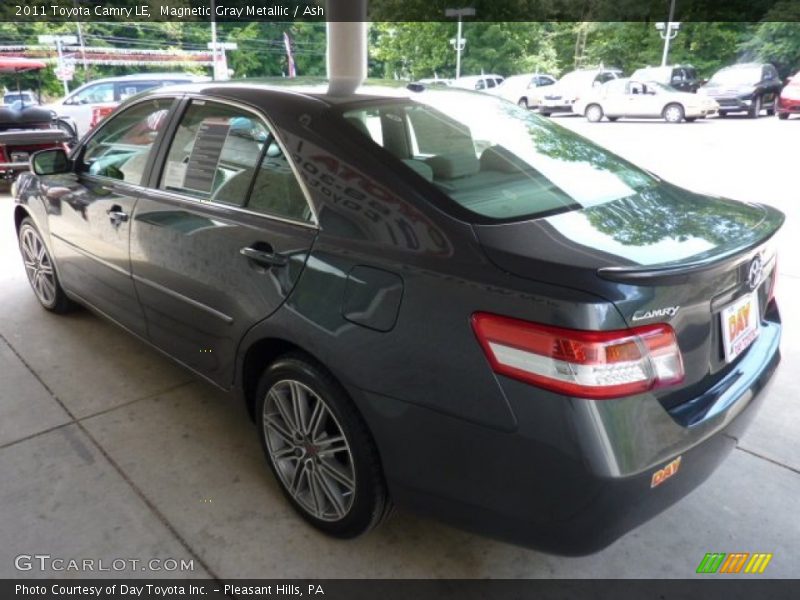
<point x="664" y="255"/>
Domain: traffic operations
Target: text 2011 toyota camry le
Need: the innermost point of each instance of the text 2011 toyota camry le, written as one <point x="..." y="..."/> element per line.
<point x="432" y="299"/>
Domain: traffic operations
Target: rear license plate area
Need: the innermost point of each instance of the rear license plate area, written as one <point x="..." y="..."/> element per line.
<point x="740" y="321"/>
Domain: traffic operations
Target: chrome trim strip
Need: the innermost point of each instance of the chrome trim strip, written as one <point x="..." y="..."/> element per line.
<point x="177" y="295"/>
<point x="88" y="254"/>
<point x="195" y="202"/>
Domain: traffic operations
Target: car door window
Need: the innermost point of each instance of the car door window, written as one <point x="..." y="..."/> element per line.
<point x="121" y="147"/>
<point x="214" y="153"/>
<point x="635" y="88"/>
<point x="127" y="89"/>
<point x="276" y="190"/>
<point x="94" y="94"/>
<point x="480" y="85"/>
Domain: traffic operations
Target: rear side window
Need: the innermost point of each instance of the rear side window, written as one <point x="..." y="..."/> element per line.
<point x="494" y="159"/>
<point x="121" y="147"/>
<point x="214" y="153"/>
<point x="228" y="155"/>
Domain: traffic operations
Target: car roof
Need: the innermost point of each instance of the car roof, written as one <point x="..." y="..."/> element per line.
<point x="311" y="89"/>
<point x="749" y="65"/>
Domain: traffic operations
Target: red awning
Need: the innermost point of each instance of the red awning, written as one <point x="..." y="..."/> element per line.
<point x="16" y="65"/>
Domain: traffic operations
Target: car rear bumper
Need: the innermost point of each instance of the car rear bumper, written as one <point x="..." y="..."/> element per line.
<point x="576" y="474"/>
<point x="788" y="106"/>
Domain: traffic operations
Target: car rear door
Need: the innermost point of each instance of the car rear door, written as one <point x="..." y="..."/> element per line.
<point x="90" y="215"/>
<point x="221" y="236"/>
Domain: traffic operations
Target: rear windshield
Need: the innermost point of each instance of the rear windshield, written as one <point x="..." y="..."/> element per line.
<point x="495" y="159"/>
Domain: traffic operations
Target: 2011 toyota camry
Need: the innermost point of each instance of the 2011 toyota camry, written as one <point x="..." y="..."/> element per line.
<point x="426" y="298"/>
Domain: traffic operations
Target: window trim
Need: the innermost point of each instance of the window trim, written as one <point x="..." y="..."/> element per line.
<point x="161" y="161"/>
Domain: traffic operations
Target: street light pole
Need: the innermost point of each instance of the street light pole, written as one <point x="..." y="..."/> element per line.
<point x="668" y="32"/>
<point x="459" y="42"/>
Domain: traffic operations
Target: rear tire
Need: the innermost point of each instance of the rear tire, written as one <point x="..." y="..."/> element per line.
<point x="319" y="448"/>
<point x="673" y="113"/>
<point x="723" y="114"/>
<point x="40" y="269"/>
<point x="594" y="113"/>
<point x="783" y="116"/>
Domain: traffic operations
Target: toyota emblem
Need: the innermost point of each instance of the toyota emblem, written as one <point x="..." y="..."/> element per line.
<point x="755" y="273"/>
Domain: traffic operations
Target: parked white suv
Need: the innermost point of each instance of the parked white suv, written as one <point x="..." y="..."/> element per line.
<point x="96" y="99"/>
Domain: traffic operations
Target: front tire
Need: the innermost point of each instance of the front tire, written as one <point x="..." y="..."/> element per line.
<point x="673" y="113"/>
<point x="594" y="113"/>
<point x="523" y="103"/>
<point x="319" y="449"/>
<point x="40" y="269"/>
<point x="783" y="116"/>
<point x="755" y="108"/>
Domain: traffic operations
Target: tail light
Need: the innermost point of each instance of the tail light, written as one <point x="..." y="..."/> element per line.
<point x="586" y="364"/>
<point x="771" y="295"/>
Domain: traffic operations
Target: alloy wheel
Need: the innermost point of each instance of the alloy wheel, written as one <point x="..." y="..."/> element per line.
<point x="673" y="113"/>
<point x="38" y="266"/>
<point x="594" y="113"/>
<point x="309" y="450"/>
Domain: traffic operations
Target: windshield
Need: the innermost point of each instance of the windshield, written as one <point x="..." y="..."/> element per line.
<point x="748" y="75"/>
<point x="578" y="78"/>
<point x="651" y="73"/>
<point x="495" y="159"/>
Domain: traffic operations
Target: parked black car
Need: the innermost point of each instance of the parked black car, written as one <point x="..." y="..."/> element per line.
<point x="682" y="77"/>
<point x="747" y="87"/>
<point x="435" y="299"/>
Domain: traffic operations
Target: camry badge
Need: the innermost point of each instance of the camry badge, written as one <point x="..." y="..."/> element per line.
<point x="755" y="273"/>
<point x="667" y="311"/>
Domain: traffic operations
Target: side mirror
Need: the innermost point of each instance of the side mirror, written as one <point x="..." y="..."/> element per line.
<point x="50" y="162"/>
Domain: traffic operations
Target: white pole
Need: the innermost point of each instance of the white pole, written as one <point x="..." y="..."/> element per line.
<point x="213" y="43"/>
<point x="61" y="62"/>
<point x="668" y="32"/>
<point x="346" y="54"/>
<point x="458" y="48"/>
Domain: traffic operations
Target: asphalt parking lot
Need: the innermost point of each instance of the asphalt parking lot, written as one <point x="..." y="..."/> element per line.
<point x="110" y="451"/>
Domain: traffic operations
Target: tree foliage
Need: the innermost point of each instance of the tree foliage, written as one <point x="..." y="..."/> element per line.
<point x="410" y="50"/>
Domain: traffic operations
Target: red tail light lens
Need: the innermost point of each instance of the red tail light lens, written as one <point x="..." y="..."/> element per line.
<point x="586" y="364"/>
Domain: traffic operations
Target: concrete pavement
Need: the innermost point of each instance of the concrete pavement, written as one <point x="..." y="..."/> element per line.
<point x="108" y="450"/>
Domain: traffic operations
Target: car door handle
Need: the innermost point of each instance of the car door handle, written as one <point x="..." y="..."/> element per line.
<point x="264" y="257"/>
<point x="116" y="215"/>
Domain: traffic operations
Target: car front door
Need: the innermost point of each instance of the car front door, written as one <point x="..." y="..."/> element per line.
<point x="220" y="237"/>
<point x="90" y="212"/>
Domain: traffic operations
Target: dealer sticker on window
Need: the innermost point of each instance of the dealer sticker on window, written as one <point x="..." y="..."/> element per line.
<point x="739" y="325"/>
